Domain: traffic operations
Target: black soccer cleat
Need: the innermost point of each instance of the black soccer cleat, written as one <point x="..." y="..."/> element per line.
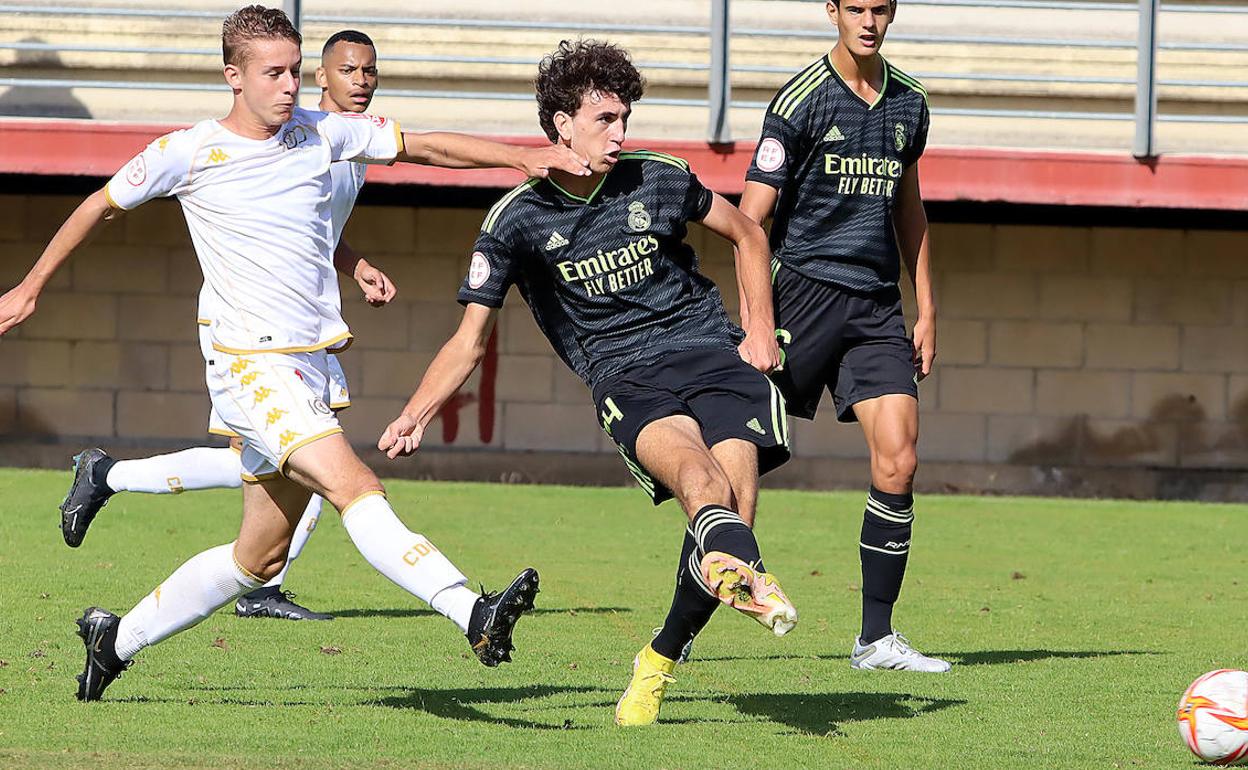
<point x="87" y="495"/>
<point x="494" y="618"/>
<point x="98" y="629"/>
<point x="273" y="602"/>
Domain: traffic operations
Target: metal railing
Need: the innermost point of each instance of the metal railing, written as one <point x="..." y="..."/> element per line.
<point x="719" y="67"/>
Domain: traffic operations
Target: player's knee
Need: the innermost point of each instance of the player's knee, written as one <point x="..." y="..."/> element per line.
<point x="896" y="468"/>
<point x="703" y="484"/>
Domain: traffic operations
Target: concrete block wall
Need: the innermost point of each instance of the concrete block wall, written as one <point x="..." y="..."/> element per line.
<point x="1072" y="347"/>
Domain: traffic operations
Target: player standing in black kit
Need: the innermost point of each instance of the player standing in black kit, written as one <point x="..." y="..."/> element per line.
<point x="837" y="163"/>
<point x="602" y="263"/>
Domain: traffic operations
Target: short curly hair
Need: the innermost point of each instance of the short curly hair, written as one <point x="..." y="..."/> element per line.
<point x="254" y="22"/>
<point x="582" y="67"/>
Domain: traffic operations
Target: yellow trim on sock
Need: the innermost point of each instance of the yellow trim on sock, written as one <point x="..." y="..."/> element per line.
<point x="243" y="569"/>
<point x="347" y="508"/>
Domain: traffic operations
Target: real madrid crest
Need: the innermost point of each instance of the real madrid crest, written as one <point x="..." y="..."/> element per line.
<point x="638" y="217"/>
<point x="899" y="134"/>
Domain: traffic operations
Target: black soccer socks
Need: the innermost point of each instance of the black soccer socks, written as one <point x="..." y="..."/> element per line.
<point x="883" y="548"/>
<point x="716" y="528"/>
<point x="693" y="604"/>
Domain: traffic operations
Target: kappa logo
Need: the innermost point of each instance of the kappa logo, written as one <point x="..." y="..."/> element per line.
<point x="217" y="155"/>
<point x="756" y="426"/>
<point x="556" y="241"/>
<point x="638" y="217"/>
<point x="834" y="135"/>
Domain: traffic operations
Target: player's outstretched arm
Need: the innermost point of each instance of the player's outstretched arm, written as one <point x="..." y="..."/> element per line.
<point x="19" y="303"/>
<point x="758" y="203"/>
<point x="910" y="223"/>
<point x="377" y="287"/>
<point x="754" y="278"/>
<point x="448" y="372"/>
<point x="449" y="150"/>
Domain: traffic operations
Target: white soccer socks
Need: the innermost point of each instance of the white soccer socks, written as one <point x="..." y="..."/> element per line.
<point x="194" y="591"/>
<point x="307" y="524"/>
<point x="198" y="468"/>
<point x="408" y="559"/>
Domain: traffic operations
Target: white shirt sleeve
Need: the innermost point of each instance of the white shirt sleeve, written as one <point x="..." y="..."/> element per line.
<point x="361" y="137"/>
<point x="156" y="172"/>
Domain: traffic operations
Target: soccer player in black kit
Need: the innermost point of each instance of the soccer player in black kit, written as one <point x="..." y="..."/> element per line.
<point x="837" y="164"/>
<point x="602" y="263"/>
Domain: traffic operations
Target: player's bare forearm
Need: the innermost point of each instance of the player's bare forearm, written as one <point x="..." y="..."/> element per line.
<point x="753" y="262"/>
<point x="913" y="241"/>
<point x="345" y="258"/>
<point x="19" y="303"/>
<point x="910" y="224"/>
<point x="757" y="204"/>
<point x="448" y="372"/>
<point x="449" y="150"/>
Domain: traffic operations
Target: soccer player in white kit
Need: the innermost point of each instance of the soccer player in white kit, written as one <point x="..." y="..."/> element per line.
<point x="348" y="79"/>
<point x="255" y="188"/>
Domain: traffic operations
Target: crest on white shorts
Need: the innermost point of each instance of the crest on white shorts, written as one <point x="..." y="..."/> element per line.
<point x="478" y="270"/>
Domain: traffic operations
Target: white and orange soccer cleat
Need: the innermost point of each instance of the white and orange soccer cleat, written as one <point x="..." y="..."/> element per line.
<point x="754" y="593"/>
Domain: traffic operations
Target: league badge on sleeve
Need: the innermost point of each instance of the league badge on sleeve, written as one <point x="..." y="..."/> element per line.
<point x="770" y="155"/>
<point x="478" y="270"/>
<point x="136" y="171"/>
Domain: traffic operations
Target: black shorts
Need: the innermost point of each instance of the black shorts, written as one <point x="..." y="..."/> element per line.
<point x="853" y="344"/>
<point x="728" y="398"/>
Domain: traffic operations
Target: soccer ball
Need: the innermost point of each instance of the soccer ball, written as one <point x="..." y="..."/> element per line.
<point x="1213" y="717"/>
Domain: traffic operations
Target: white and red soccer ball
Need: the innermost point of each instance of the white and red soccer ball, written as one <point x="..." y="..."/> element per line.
<point x="1213" y="717"/>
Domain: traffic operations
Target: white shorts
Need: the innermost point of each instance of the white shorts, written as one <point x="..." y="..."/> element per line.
<point x="340" y="394"/>
<point x="277" y="403"/>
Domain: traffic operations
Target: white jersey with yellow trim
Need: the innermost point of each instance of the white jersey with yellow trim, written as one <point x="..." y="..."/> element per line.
<point x="259" y="215"/>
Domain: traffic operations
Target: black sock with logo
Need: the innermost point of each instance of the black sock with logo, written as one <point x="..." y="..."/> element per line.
<point x="883" y="549"/>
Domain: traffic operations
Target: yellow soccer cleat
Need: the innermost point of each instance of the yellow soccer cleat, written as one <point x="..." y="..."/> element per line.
<point x="754" y="593"/>
<point x="639" y="705"/>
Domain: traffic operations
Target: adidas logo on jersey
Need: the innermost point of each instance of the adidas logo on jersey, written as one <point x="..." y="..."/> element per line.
<point x="756" y="426"/>
<point x="834" y="135"/>
<point x="556" y="241"/>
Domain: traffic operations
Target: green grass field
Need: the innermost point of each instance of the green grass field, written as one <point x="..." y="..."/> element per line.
<point x="1074" y="627"/>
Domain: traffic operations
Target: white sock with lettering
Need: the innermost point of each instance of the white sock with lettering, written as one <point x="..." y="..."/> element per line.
<point x="198" y="468"/>
<point x="307" y="524"/>
<point x="408" y="559"/>
<point x="194" y="591"/>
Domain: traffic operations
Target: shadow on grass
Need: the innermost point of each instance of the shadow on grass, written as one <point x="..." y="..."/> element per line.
<point x="980" y="658"/>
<point x="997" y="657"/>
<point x="823" y="713"/>
<point x="411" y="612"/>
<point x="462" y="704"/>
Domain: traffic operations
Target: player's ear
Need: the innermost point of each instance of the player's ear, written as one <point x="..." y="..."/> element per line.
<point x="234" y="76"/>
<point x="321" y="81"/>
<point x="830" y="5"/>
<point x="563" y="124"/>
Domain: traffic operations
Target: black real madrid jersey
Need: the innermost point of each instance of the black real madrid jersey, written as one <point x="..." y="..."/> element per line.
<point x="837" y="162"/>
<point x="609" y="278"/>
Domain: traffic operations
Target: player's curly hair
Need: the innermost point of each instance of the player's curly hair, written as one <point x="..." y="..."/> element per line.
<point x="254" y="22"/>
<point x="578" y="68"/>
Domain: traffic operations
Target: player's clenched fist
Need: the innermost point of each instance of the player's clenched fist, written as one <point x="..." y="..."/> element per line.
<point x="401" y="437"/>
<point x="761" y="352"/>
